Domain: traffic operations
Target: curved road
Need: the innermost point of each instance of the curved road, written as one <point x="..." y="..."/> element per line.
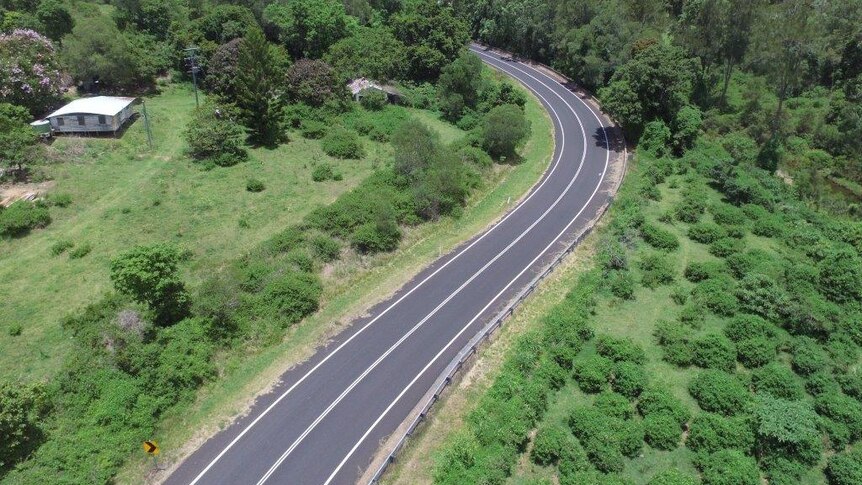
<point x="324" y="422"/>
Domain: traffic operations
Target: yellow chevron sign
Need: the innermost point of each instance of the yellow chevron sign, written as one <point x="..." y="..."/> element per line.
<point x="151" y="447"/>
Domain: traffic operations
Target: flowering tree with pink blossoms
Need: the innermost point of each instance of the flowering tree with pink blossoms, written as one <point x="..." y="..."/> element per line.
<point x="30" y="74"/>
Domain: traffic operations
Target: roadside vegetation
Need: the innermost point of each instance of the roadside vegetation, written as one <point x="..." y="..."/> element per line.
<point x="685" y="362"/>
<point x="146" y="272"/>
<point x="716" y="338"/>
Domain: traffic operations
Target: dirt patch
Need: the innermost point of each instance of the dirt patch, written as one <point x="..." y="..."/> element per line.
<point x="14" y="192"/>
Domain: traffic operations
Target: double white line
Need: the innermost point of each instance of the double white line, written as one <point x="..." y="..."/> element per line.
<point x="427" y="317"/>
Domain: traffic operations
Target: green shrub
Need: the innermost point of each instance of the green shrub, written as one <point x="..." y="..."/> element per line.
<point x="150" y="275"/>
<point x="22" y="409"/>
<point x="761" y="295"/>
<point x="285" y="240"/>
<point x="769" y="227"/>
<point x="729" y="467"/>
<point x="705" y="232"/>
<point x="672" y="476"/>
<point x="614" y="405"/>
<point x="372" y="237"/>
<point x="697" y="271"/>
<point x="693" y="314"/>
<point x="619" y="349"/>
<point x="631" y="438"/>
<point x="753" y="261"/>
<point x="605" y="456"/>
<point x="842" y="409"/>
<point x="553" y="442"/>
<point x="660" y="401"/>
<point x="80" y="251"/>
<point x="690" y="208"/>
<point x="661" y="431"/>
<point x="782" y="471"/>
<point x="726" y="246"/>
<point x="373" y="99"/>
<point x="313" y="129"/>
<point x="808" y="356"/>
<point x="254" y="185"/>
<point x="787" y="429"/>
<point x="655" y="139"/>
<point x="21" y="217"/>
<point x="717" y="294"/>
<point x="592" y="373"/>
<point x="503" y="129"/>
<point x="621" y="284"/>
<point x="61" y="199"/>
<point x="214" y="137"/>
<point x="659" y="238"/>
<point x="821" y="382"/>
<point x="292" y="296"/>
<point x="727" y="215"/>
<point x="719" y="392"/>
<point x="675" y="340"/>
<point x="736" y="232"/>
<point x="746" y="327"/>
<point x="679" y="295"/>
<point x="475" y="156"/>
<point x="755" y="352"/>
<point x="342" y="143"/>
<point x="321" y="172"/>
<point x="845" y="468"/>
<point x="325" y="248"/>
<point x="629" y="379"/>
<point x="300" y="259"/>
<point x="714" y="351"/>
<point x="656" y="270"/>
<point x="840" y="275"/>
<point x="61" y="246"/>
<point x="15" y="330"/>
<point x="710" y="432"/>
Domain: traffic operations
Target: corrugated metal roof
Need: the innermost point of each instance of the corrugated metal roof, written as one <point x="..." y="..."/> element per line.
<point x="98" y="105"/>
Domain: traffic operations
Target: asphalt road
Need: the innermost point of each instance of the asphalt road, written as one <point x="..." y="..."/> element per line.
<point x="324" y="422"/>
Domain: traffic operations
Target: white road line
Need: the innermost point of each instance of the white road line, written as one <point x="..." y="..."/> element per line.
<point x="427" y="317"/>
<point x="385" y="311"/>
<point x="406" y="388"/>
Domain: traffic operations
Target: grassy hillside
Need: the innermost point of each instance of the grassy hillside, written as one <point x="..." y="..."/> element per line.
<point x="351" y="286"/>
<point x="124" y="194"/>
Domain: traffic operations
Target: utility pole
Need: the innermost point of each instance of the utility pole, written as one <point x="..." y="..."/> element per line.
<point x="147" y="125"/>
<point x="192" y="60"/>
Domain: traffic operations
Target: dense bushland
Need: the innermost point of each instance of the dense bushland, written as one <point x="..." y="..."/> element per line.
<point x="779" y="81"/>
<point x="765" y="326"/>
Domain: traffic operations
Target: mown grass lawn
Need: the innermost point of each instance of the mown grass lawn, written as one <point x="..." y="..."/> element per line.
<point x="124" y="194"/>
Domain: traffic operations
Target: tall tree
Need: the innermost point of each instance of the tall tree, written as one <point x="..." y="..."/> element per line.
<point x="719" y="32"/>
<point x="29" y="71"/>
<point x="783" y="44"/>
<point x="258" y="88"/>
<point x="308" y="27"/>
<point x="17" y="140"/>
<point x="433" y="35"/>
<point x="459" y="85"/>
<point x="655" y="84"/>
<point x="56" y="18"/>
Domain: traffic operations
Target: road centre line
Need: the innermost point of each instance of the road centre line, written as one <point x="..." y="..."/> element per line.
<point x="368" y="370"/>
<point x="459" y="253"/>
<point x="470" y="323"/>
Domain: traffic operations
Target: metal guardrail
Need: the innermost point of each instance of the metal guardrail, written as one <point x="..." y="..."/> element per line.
<point x="447" y="376"/>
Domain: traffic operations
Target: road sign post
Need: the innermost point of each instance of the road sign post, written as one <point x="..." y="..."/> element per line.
<point x="152" y="448"/>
